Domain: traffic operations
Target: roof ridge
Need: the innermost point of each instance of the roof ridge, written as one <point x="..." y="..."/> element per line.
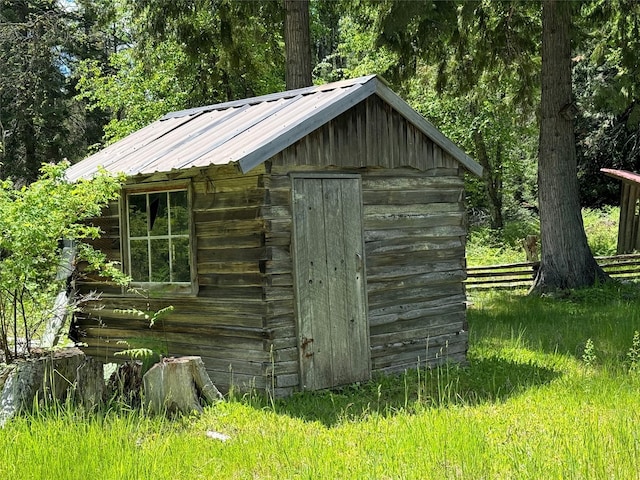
<point x="270" y="97"/>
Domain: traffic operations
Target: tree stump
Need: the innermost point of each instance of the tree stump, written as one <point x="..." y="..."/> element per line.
<point x="51" y="377"/>
<point x="125" y="384"/>
<point x="179" y="385"/>
<point x="530" y="245"/>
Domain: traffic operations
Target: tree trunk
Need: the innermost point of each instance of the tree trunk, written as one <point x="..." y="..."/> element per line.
<point x="567" y="261"/>
<point x="177" y="385"/>
<point x="492" y="176"/>
<point x="297" y="41"/>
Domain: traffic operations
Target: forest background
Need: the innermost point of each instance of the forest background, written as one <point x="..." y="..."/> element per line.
<point x="79" y="74"/>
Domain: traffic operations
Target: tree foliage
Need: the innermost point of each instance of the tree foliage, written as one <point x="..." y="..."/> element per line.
<point x="472" y="68"/>
<point x="607" y="88"/>
<point x="183" y="55"/>
<point x="40" y="121"/>
<point x="135" y="93"/>
<point x="34" y="219"/>
<point x="235" y="49"/>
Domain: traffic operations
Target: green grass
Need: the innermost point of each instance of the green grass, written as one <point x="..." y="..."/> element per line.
<point x="527" y="406"/>
<point x="489" y="247"/>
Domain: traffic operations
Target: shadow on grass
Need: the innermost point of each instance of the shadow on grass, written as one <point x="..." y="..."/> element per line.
<point x="484" y="380"/>
<point x="501" y="325"/>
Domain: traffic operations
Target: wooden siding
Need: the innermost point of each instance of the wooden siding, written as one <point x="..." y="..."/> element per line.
<point x="415" y="240"/>
<point x="370" y="134"/>
<point x="328" y="258"/>
<point x="225" y="322"/>
<point x="414" y="233"/>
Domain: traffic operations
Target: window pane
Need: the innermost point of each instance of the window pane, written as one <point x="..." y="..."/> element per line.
<point x="139" y="261"/>
<point x="179" y="213"/>
<point x="160" y="261"/>
<point x="158" y="214"/>
<point x="181" y="270"/>
<point x="138" y="215"/>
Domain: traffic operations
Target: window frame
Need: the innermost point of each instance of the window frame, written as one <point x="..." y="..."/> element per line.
<point x="181" y="288"/>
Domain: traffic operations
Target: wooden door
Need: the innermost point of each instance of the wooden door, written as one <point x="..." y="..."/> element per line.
<point x="333" y="332"/>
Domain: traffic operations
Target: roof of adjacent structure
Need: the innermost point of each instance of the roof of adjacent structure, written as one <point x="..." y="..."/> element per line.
<point x="623" y="175"/>
<point x="248" y="131"/>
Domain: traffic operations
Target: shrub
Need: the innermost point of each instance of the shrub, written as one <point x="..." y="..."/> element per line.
<point x="601" y="227"/>
<point x="34" y="220"/>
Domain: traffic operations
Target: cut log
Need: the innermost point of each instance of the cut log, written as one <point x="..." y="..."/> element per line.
<point x="179" y="385"/>
<point x="52" y="377"/>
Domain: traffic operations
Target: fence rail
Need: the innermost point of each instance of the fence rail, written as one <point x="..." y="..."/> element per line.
<point x="520" y="275"/>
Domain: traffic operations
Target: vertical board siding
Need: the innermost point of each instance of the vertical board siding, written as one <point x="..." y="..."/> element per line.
<point x="369" y="134"/>
<point x="629" y="224"/>
<point x="333" y="329"/>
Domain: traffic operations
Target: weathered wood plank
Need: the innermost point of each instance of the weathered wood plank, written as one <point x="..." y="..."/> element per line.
<point x="390" y="312"/>
<point x="376" y="274"/>
<point x="178" y="345"/>
<point x="383" y="298"/>
<point x="413" y="197"/>
<point x="231" y="228"/>
<point x="424" y="348"/>
<point x="397" y="180"/>
<point x="278" y="308"/>
<point x="414" y="244"/>
<point x="400" y="259"/>
<point x="231" y="255"/>
<point x="450" y="319"/>
<point x="424" y="280"/>
<point x="412" y="220"/>
<point x="311" y="293"/>
<point x="232" y="240"/>
<point x="237" y="293"/>
<point x="222" y="215"/>
<point x="209" y="269"/>
<point x="457" y="357"/>
<point x="439" y="231"/>
<point x="235" y="199"/>
<point x="239" y="382"/>
<point x="414" y="209"/>
<point x="414" y="313"/>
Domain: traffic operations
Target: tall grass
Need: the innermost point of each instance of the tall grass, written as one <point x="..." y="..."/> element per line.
<point x="490" y="247"/>
<point x="527" y="406"/>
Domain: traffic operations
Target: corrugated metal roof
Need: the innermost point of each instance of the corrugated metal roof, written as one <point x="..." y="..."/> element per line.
<point x="623" y="175"/>
<point x="246" y="131"/>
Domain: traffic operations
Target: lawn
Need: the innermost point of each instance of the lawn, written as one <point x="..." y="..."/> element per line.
<point x="551" y="391"/>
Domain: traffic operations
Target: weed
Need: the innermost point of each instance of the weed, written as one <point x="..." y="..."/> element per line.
<point x="589" y="354"/>
<point x="148" y="350"/>
<point x="633" y="355"/>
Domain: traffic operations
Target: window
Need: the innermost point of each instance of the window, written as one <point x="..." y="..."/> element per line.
<point x="158" y="240"/>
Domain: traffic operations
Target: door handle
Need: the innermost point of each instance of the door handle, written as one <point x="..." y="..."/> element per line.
<point x="358" y="262"/>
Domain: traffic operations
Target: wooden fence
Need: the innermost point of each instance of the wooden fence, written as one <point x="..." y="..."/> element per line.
<point x="520" y="275"/>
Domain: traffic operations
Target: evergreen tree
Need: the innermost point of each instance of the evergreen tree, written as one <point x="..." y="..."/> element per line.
<point x="567" y="261"/>
<point x="41" y="42"/>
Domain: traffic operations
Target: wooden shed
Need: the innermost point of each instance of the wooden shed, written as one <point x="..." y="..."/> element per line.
<point x="628" y="231"/>
<point x="305" y="239"/>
